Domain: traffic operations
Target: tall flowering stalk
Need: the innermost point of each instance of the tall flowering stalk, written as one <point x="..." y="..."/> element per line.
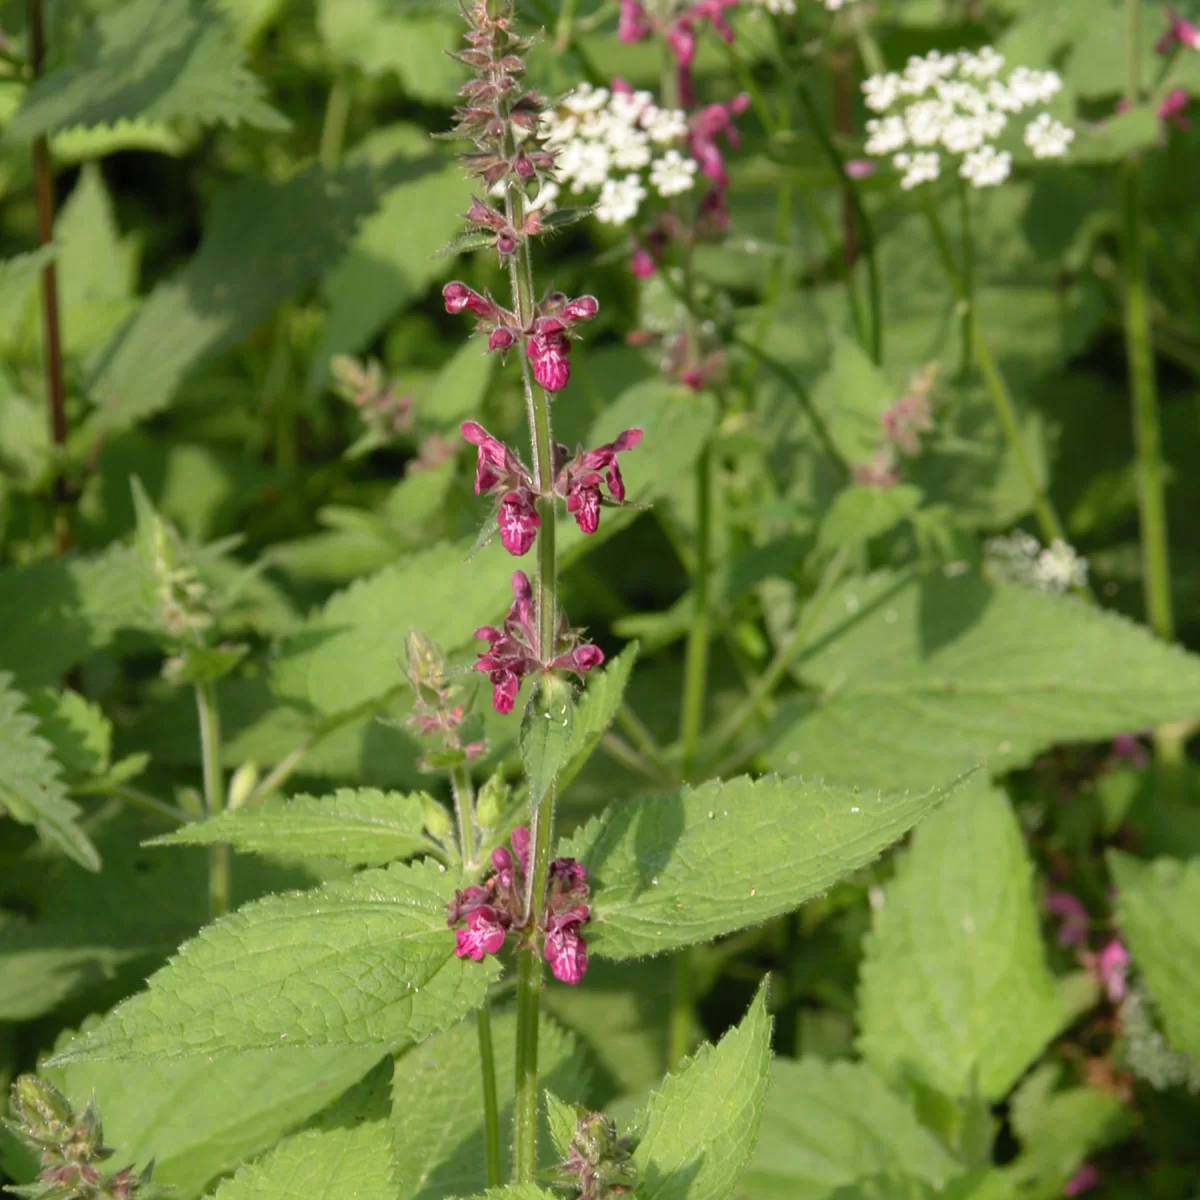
<point x="543" y="905"/>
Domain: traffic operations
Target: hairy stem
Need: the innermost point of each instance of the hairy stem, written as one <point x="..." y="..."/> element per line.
<point x="214" y="794"/>
<point x="464" y="808"/>
<point x="491" y="1107"/>
<point x="43" y="186"/>
<point x="695" y="672"/>
<point x="1002" y="402"/>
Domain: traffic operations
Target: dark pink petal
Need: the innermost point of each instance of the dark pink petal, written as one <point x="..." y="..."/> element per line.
<point x="550" y="355"/>
<point x="502" y="339"/>
<point x="1082" y="1181"/>
<point x="572" y="872"/>
<point x="518" y="522"/>
<point x="584" y="504"/>
<point x="566" y="953"/>
<point x="505" y="686"/>
<point x="1111" y="965"/>
<point x="633" y="25"/>
<point x="682" y="41"/>
<point x="1074" y="928"/>
<point x="522" y="589"/>
<point x="483" y="935"/>
<point x="487" y="633"/>
<point x="587" y="656"/>
<point x="642" y="263"/>
<point x="501" y="859"/>
<point x="459" y="298"/>
<point x="584" y="308"/>
<point x="627" y="440"/>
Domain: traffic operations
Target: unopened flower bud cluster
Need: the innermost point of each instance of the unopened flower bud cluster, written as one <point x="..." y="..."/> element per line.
<point x="1021" y="558"/>
<point x="955" y="107"/>
<point x="620" y="144"/>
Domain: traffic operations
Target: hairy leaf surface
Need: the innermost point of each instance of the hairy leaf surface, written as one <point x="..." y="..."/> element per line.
<point x="700" y="1127"/>
<point x="954" y="980"/>
<point x="369" y="962"/>
<point x="356" y="826"/>
<point x="691" y="865"/>
<point x="916" y="677"/>
<point x="157" y="60"/>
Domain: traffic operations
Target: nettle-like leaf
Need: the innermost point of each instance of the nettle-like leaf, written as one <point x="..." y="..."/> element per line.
<point x="263" y="242"/>
<point x="829" y="1124"/>
<point x="1157" y="906"/>
<point x="157" y="60"/>
<point x="861" y="513"/>
<point x="77" y="730"/>
<point x="516" y="1191"/>
<point x="437" y="1104"/>
<point x="954" y="981"/>
<point x="31" y="787"/>
<point x="700" y="1127"/>
<point x="356" y="826"/>
<point x="367" y="962"/>
<point x="918" y="676"/>
<point x="199" y="1117"/>
<point x="595" y="710"/>
<point x="692" y="865"/>
<point x="347" y="1152"/>
<point x="350" y="652"/>
<point x="546" y="736"/>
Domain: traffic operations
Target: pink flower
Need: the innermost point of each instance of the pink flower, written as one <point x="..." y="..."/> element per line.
<point x="550" y="354"/>
<point x="483" y="935"/>
<point x="460" y="298"/>
<point x="633" y="25"/>
<point x="579" y="480"/>
<point x="705" y="127"/>
<point x="1171" y="109"/>
<point x="1112" y="964"/>
<point x="518" y="522"/>
<point x="859" y="168"/>
<point x="491" y="460"/>
<point x="521" y="844"/>
<point x="564" y="948"/>
<point x="641" y="263"/>
<point x="1180" y="32"/>
<point x="1127" y="748"/>
<point x="1075" y="920"/>
<point x="1082" y="1181"/>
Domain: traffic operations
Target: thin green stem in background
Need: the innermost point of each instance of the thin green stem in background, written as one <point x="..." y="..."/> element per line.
<point x="1002" y="402"/>
<point x="682" y="1017"/>
<point x="464" y="809"/>
<point x="337" y="117"/>
<point x="43" y="187"/>
<point x="695" y="671"/>
<point x="214" y="794"/>
<point x="491" y="1107"/>
<point x="967" y="235"/>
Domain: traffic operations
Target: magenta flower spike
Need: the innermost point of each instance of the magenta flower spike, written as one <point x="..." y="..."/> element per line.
<point x="1180" y="32"/>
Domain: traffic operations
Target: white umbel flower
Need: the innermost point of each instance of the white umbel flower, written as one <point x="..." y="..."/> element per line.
<point x="603" y="140"/>
<point x="1020" y="558"/>
<point x="1048" y="138"/>
<point x="959" y="105"/>
<point x="620" y="200"/>
<point x="673" y="174"/>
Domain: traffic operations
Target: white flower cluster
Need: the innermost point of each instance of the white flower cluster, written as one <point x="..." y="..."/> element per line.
<point x="1147" y="1051"/>
<point x="604" y="141"/>
<point x="958" y="105"/>
<point x="788" y="7"/>
<point x="1020" y="558"/>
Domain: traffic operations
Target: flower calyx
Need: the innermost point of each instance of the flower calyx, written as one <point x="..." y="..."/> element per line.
<point x="512" y="650"/>
<point x="578" y="480"/>
<point x="482" y="916"/>
<point x="436" y="714"/>
<point x="598" y="1161"/>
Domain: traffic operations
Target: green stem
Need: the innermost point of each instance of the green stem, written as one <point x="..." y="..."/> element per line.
<point x="148" y="803"/>
<point x="333" y="131"/>
<point x="565" y="29"/>
<point x="529" y="999"/>
<point x="491" y="1108"/>
<point x="968" y="274"/>
<point x="214" y="794"/>
<point x="1002" y="402"/>
<point x="695" y="673"/>
<point x="43" y="186"/>
<point x="464" y="808"/>
<point x="681" y="1022"/>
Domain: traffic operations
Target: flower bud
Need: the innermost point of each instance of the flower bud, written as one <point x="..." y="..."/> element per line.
<point x="506" y="243"/>
<point x="501" y="339"/>
<point x="243" y="783"/>
<point x="437" y="819"/>
<point x="523" y="166"/>
<point x="45" y="1115"/>
<point x="492" y="803"/>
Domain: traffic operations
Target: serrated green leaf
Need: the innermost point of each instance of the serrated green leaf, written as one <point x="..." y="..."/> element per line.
<point x="829" y="1124"/>
<point x="700" y="1127"/>
<point x="861" y="513"/>
<point x="348" y="1153"/>
<point x="356" y="826"/>
<point x="263" y="242"/>
<point x="954" y="980"/>
<point x="1118" y="136"/>
<point x="394" y="257"/>
<point x="918" y="676"/>
<point x="595" y="710"/>
<point x="18" y="279"/>
<point x="855" y="393"/>
<point x="692" y="865"/>
<point x="516" y="1191"/>
<point x="1157" y="905"/>
<point x="546" y="735"/>
<point x="437" y="1104"/>
<point x="31" y="788"/>
<point x="157" y="60"/>
<point x="199" y="1118"/>
<point x="349" y="653"/>
<point x="77" y="730"/>
<point x="368" y="962"/>
<point x="562" y="1120"/>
